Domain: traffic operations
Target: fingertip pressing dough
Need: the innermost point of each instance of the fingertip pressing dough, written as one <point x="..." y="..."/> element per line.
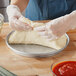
<point x="32" y="37"/>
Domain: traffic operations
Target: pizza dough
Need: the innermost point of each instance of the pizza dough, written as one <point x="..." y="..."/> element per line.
<point x="32" y="37"/>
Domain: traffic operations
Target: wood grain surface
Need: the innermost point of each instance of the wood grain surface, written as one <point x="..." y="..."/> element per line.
<point x="24" y="66"/>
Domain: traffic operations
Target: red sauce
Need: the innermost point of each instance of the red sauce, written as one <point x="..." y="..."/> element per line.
<point x="67" y="68"/>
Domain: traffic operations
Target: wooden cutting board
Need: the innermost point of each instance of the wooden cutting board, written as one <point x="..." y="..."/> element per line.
<point x="24" y="66"/>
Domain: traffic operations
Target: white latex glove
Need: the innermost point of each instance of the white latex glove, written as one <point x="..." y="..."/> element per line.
<point x="57" y="27"/>
<point x="14" y="14"/>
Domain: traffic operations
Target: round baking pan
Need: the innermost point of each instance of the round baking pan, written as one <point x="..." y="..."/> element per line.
<point x="34" y="50"/>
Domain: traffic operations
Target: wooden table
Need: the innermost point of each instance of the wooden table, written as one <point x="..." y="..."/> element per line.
<point x="24" y="66"/>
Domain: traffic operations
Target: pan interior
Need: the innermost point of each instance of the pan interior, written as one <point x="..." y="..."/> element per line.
<point x="36" y="49"/>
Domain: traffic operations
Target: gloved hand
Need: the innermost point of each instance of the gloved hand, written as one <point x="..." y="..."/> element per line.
<point x="14" y="14"/>
<point x="57" y="27"/>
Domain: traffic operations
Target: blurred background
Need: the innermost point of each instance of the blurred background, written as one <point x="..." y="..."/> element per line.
<point x="3" y="5"/>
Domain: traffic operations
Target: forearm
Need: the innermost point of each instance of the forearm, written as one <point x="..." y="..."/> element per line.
<point x="72" y="19"/>
<point x="22" y="4"/>
<point x="68" y="21"/>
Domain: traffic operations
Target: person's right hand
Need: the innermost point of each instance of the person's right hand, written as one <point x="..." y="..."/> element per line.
<point x="14" y="14"/>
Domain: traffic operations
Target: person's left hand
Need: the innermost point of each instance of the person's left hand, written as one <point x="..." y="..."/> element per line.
<point x="46" y="32"/>
<point x="57" y="27"/>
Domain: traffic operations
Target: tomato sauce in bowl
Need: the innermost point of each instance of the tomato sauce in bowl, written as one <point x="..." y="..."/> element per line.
<point x="66" y="68"/>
